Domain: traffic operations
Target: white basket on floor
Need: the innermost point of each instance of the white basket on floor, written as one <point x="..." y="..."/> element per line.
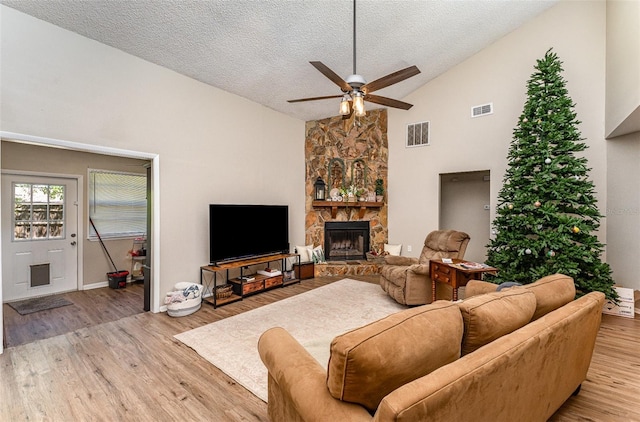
<point x="191" y="302"/>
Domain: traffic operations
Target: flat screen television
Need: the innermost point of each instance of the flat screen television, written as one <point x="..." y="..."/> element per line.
<point x="246" y="231"/>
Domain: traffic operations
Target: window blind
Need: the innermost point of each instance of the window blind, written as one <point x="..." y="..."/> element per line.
<point x="117" y="203"/>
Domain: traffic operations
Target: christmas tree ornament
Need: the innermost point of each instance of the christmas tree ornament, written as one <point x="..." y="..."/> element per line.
<point x="547" y="161"/>
<point x="525" y="120"/>
<point x="551" y="253"/>
<point x="537" y="204"/>
<point x="575" y="229"/>
<point x="527" y="251"/>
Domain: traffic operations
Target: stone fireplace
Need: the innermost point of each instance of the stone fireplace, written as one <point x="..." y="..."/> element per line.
<point x="346" y="240"/>
<point x="344" y="152"/>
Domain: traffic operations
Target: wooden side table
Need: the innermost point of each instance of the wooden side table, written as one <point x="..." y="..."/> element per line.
<point x="304" y="270"/>
<point x="454" y="274"/>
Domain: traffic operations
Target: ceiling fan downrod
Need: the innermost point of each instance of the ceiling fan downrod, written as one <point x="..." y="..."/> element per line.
<point x="355" y="80"/>
<point x="354" y="38"/>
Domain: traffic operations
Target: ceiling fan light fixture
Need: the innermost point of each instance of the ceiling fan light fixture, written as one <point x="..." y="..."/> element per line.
<point x="358" y="103"/>
<point x="356" y="81"/>
<point x="345" y="108"/>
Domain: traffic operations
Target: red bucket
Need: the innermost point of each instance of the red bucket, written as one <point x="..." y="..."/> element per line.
<point x="117" y="279"/>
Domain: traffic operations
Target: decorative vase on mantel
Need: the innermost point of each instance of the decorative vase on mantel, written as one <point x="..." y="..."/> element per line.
<point x="379" y="198"/>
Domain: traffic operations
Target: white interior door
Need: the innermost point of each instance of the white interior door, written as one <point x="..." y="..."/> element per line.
<point x="39" y="236"/>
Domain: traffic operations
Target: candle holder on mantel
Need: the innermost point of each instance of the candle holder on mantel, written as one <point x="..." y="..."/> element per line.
<point x="320" y="189"/>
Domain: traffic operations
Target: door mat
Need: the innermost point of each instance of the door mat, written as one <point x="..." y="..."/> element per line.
<point x="29" y="306"/>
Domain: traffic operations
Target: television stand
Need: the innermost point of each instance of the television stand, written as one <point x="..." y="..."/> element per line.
<point x="234" y="289"/>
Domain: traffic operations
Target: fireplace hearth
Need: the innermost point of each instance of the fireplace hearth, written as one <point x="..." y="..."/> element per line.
<point x="346" y="240"/>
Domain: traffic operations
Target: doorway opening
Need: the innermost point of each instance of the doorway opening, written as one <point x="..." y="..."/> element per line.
<point x="151" y="289"/>
<point x="465" y="199"/>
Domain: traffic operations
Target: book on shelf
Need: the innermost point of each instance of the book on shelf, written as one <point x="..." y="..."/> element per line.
<point x="246" y="278"/>
<point x="270" y="272"/>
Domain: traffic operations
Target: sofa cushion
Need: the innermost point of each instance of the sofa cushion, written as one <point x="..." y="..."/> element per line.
<point x="492" y="315"/>
<point x="552" y="292"/>
<point x="369" y="362"/>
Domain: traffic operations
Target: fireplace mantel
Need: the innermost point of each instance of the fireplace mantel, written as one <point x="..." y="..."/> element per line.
<point x="334" y="205"/>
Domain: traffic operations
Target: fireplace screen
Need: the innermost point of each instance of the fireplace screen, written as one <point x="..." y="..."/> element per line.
<point x="346" y="240"/>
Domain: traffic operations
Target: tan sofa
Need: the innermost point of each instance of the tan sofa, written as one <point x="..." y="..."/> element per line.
<point x="513" y="355"/>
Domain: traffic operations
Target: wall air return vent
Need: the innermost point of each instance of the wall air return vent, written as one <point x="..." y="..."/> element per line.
<point x="482" y="110"/>
<point x="418" y="134"/>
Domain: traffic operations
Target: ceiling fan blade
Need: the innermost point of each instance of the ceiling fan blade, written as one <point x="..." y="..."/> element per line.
<point x="299" y="100"/>
<point x="387" y="101"/>
<point x="390" y="79"/>
<point x="344" y="86"/>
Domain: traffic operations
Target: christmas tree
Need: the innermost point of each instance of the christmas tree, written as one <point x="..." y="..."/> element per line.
<point x="546" y="208"/>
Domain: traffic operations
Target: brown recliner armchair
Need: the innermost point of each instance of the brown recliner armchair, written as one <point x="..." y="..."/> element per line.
<point x="407" y="280"/>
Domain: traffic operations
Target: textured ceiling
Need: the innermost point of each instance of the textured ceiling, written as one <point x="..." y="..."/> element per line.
<point x="260" y="49"/>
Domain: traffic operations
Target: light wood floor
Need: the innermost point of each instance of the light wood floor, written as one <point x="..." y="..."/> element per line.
<point x="90" y="308"/>
<point x="133" y="369"/>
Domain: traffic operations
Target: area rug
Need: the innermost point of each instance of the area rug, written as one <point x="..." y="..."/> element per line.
<point x="313" y="318"/>
<point x="37" y="304"/>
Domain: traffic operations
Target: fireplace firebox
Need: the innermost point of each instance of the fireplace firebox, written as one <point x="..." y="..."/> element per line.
<point x="346" y="240"/>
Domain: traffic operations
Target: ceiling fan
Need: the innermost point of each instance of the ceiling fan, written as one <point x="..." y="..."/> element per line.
<point x="355" y="89"/>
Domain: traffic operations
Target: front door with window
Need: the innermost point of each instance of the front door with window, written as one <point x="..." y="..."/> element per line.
<point x="39" y="236"/>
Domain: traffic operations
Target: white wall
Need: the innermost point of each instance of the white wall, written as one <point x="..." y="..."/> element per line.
<point x="623" y="67"/>
<point x="623" y="209"/>
<point x="623" y="152"/>
<point x="213" y="146"/>
<point x="497" y="74"/>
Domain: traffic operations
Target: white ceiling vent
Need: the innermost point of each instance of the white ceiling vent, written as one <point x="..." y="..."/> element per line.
<point x="418" y="134"/>
<point x="482" y="110"/>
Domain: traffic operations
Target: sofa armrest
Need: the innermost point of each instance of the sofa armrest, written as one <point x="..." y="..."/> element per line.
<point x="422" y="269"/>
<point x="400" y="260"/>
<point x="301" y="382"/>
<point x="478" y="287"/>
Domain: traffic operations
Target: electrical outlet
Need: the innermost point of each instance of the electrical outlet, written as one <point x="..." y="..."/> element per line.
<point x="409" y="248"/>
<point x="487" y="207"/>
